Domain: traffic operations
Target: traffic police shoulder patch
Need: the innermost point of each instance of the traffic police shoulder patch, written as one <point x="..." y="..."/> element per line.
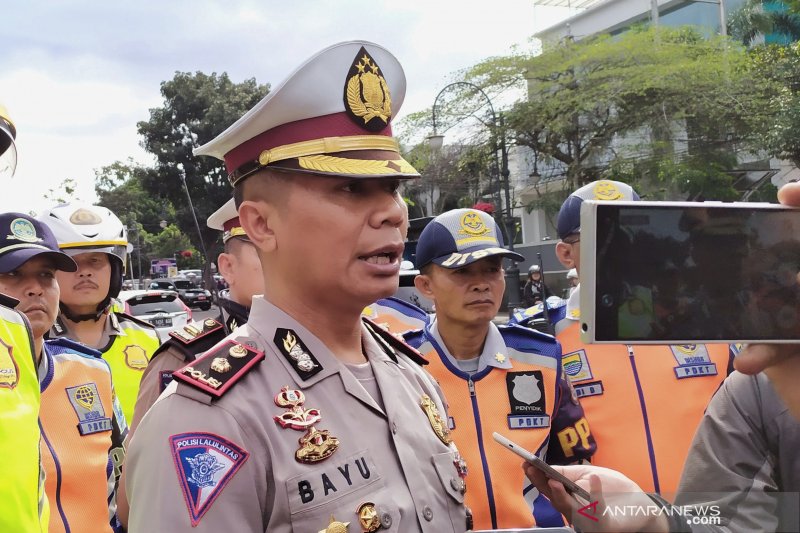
<point x="205" y="463"/>
<point x="218" y="369"/>
<point x="191" y="333"/>
<point x="296" y="353"/>
<point x="392" y="343"/>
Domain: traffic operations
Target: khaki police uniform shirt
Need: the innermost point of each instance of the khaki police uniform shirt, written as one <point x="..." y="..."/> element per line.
<point x="389" y="457"/>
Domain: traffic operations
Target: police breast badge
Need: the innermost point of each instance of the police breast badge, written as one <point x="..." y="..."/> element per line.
<point x="205" y="463"/>
<point x="526" y="396"/>
<point x="315" y="445"/>
<point x="435" y="419"/>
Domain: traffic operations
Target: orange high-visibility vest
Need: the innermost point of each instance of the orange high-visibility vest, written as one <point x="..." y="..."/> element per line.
<point x="498" y="493"/>
<point x="644" y="402"/>
<point x="82" y="433"/>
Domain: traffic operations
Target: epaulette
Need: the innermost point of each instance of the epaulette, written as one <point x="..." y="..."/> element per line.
<point x="189" y="343"/>
<point x="388" y="340"/>
<point x="216" y="371"/>
<point x="515" y="330"/>
<point x="191" y="333"/>
<point x="64" y="344"/>
<point x="130" y="318"/>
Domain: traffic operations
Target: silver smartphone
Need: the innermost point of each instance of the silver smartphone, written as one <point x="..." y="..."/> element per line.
<point x="570" y="486"/>
<point x="689" y="272"/>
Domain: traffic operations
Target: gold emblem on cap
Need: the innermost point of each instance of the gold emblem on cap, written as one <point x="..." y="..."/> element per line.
<point x="606" y="190"/>
<point x="334" y="526"/>
<point x="368" y="517"/>
<point x="221" y="365"/>
<point x="238" y="351"/>
<point x="500" y="358"/>
<point x="23" y="230"/>
<point x="210" y="323"/>
<point x="367" y="93"/>
<point x="472" y="224"/>
<point x="438" y="425"/>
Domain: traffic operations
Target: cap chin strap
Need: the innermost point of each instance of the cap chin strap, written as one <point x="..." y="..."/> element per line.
<point x="102" y="307"/>
<point x="97" y="315"/>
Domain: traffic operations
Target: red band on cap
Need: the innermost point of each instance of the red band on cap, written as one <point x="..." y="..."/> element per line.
<point x="335" y="125"/>
<point x="232" y="223"/>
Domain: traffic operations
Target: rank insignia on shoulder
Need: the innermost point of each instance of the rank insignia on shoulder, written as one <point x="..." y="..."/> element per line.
<point x="219" y="368"/>
<point x="196" y="330"/>
<point x="297" y="353"/>
<point x="205" y="463"/>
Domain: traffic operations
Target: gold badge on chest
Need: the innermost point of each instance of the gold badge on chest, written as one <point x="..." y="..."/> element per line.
<point x="336" y="527"/>
<point x="316" y="445"/>
<point x="438" y="425"/>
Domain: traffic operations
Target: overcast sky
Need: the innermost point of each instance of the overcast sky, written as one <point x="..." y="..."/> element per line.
<point x="76" y="75"/>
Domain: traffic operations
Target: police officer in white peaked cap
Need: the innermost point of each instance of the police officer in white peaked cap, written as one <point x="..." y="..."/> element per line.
<point x="308" y="418"/>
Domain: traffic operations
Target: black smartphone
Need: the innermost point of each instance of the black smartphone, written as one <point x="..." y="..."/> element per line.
<point x="689" y="272"/>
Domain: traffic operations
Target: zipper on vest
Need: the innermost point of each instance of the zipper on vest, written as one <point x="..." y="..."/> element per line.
<point x="647" y="432"/>
<point x="471" y="385"/>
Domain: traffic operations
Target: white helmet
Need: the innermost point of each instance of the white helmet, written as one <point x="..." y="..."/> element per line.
<point x="8" y="151"/>
<point x="80" y="228"/>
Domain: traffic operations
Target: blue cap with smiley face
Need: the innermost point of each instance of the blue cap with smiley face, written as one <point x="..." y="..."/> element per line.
<point x="459" y="237"/>
<point x="569" y="216"/>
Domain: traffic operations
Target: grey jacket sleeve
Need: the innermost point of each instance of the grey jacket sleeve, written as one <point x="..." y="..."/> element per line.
<point x="731" y="471"/>
<point x="192" y="467"/>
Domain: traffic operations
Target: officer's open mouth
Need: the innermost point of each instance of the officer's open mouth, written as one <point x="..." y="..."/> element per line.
<point x="386" y="258"/>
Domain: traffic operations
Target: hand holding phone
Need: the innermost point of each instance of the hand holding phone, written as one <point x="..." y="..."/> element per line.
<point x="570" y="486"/>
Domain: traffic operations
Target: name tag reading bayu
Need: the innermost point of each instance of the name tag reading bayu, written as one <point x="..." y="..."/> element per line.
<point x="333" y="480"/>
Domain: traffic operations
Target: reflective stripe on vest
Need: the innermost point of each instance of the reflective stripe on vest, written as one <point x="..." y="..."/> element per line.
<point x="495" y="481"/>
<point x="77" y="413"/>
<point x="21" y="494"/>
<point x="128" y="356"/>
<point x="644" y="405"/>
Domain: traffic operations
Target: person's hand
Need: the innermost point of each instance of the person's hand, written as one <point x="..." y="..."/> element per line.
<point x="608" y="488"/>
<point x="780" y="362"/>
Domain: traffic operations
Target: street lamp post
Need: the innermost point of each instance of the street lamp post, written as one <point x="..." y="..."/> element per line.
<point x="500" y="150"/>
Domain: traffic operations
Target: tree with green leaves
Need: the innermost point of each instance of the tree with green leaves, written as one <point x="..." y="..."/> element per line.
<point x="665" y="94"/>
<point x="197" y="107"/>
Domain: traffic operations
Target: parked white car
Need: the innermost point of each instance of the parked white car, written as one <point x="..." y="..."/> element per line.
<point x="163" y="309"/>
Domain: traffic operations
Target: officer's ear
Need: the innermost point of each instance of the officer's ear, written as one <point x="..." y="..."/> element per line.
<point x="423" y="283"/>
<point x="566" y="255"/>
<point x="258" y="218"/>
<point x="226" y="264"/>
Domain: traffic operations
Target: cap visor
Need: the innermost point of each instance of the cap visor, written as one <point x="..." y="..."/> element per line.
<point x="469" y="256"/>
<point x="15" y="259"/>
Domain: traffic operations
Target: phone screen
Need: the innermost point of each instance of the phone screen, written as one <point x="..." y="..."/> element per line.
<point x="677" y="273"/>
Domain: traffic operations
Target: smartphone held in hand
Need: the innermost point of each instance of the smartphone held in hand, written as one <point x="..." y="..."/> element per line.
<point x="548" y="470"/>
<point x="689" y="272"/>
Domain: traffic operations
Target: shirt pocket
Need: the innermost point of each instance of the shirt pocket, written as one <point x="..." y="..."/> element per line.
<point x="453" y="485"/>
<point x="351" y="490"/>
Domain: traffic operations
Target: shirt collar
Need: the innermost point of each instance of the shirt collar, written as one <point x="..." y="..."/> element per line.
<point x="573" y="304"/>
<point x="495" y="352"/>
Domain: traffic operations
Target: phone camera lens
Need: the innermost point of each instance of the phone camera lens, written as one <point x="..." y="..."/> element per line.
<point x="607" y="300"/>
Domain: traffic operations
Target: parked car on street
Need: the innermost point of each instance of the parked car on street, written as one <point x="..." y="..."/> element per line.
<point x="191" y="294"/>
<point x="161" y="308"/>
